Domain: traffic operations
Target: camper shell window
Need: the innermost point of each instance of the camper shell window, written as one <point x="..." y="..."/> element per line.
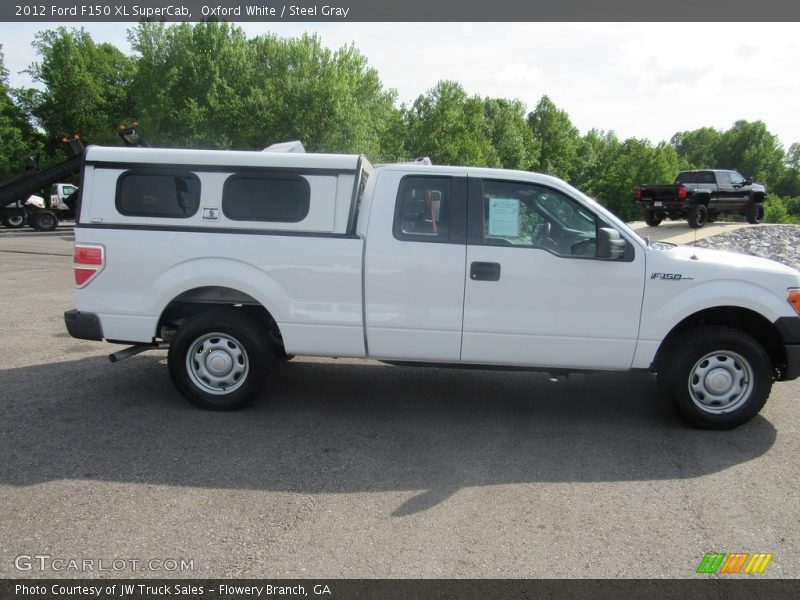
<point x="274" y="197"/>
<point x="158" y="193"/>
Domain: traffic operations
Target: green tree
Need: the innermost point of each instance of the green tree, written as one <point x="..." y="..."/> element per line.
<point x="789" y="182"/>
<point x="85" y="86"/>
<point x="775" y="210"/>
<point x="450" y="127"/>
<point x="394" y="136"/>
<point x="331" y="101"/>
<point x="556" y="140"/>
<point x="208" y="85"/>
<point x="750" y="148"/>
<point x="17" y="135"/>
<point x="191" y="84"/>
<point x="793" y="156"/>
<point x="510" y="137"/>
<point x="631" y="163"/>
<point x="698" y="148"/>
<point x="595" y="152"/>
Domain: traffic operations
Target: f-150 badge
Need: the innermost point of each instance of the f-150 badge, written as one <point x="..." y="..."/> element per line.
<point x="672" y="276"/>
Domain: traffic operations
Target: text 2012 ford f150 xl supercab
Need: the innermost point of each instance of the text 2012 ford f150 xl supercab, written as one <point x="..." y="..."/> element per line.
<point x="233" y="260"/>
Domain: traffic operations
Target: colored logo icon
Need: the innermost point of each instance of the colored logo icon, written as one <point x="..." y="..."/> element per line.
<point x="735" y="562"/>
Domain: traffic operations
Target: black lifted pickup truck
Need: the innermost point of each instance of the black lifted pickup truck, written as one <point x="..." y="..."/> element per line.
<point x="700" y="196"/>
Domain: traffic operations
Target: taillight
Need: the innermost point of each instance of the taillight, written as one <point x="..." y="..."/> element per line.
<point x="682" y="193"/>
<point x="88" y="260"/>
<point x="638" y="193"/>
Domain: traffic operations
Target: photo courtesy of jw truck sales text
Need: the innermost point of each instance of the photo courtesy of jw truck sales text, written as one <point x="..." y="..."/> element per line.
<point x="234" y="260"/>
<point x="155" y="589"/>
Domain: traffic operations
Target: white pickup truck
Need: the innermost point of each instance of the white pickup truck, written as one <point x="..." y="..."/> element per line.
<point x="233" y="260"/>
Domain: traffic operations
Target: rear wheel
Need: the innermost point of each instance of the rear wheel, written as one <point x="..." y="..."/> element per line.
<point x="698" y="215"/>
<point x="44" y="220"/>
<point x="718" y="377"/>
<point x="653" y="218"/>
<point x="219" y="359"/>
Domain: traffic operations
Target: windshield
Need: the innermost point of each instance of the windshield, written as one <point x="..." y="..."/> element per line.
<point x="609" y="217"/>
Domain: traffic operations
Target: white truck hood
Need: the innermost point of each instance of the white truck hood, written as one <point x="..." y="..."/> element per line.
<point x="711" y="264"/>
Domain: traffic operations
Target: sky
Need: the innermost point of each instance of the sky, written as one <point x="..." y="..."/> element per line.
<point x="644" y="80"/>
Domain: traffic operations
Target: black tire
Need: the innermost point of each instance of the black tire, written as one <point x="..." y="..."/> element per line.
<point x="698" y="216"/>
<point x="754" y="213"/>
<point x="14" y="221"/>
<point x="44" y="220"/>
<point x="653" y="218"/>
<point x="236" y="354"/>
<point x="716" y="357"/>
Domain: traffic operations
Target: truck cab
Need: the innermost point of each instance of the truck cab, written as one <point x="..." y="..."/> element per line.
<point x="59" y="192"/>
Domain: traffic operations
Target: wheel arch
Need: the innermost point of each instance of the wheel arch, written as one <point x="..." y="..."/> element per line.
<point x="743" y="319"/>
<point x="204" y="298"/>
<point x="201" y="284"/>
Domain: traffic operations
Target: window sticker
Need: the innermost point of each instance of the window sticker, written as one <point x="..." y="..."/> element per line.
<point x="504" y="217"/>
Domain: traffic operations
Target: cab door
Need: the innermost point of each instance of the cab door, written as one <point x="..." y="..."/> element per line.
<point x="414" y="268"/>
<point x="740" y="191"/>
<point x="536" y="292"/>
<point x="726" y="193"/>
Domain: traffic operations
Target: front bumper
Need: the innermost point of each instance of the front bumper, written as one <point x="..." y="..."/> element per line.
<point x="789" y="328"/>
<point x="83" y="326"/>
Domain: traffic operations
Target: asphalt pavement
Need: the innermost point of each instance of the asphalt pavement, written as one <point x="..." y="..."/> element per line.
<point x="350" y="468"/>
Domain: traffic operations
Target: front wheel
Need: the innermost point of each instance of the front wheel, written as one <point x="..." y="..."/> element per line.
<point x="14" y="221"/>
<point x="718" y="377"/>
<point x="219" y="359"/>
<point x="754" y="213"/>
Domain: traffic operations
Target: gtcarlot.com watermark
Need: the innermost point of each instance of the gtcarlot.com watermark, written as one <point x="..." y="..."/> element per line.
<point x="45" y="562"/>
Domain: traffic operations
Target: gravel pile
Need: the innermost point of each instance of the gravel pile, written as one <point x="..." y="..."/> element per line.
<point x="776" y="242"/>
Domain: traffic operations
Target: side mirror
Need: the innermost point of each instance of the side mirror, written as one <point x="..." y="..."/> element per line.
<point x="610" y="245"/>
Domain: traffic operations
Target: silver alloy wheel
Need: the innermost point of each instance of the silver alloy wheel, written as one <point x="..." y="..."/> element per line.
<point x="217" y="363"/>
<point x="720" y="382"/>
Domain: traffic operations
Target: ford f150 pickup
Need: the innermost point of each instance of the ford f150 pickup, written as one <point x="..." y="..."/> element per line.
<point x="233" y="260"/>
<point x="701" y="196"/>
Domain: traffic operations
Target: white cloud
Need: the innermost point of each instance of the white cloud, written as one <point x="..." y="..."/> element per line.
<point x="518" y="72"/>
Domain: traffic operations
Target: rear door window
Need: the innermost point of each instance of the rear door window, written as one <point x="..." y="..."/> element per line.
<point x="423" y="209"/>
